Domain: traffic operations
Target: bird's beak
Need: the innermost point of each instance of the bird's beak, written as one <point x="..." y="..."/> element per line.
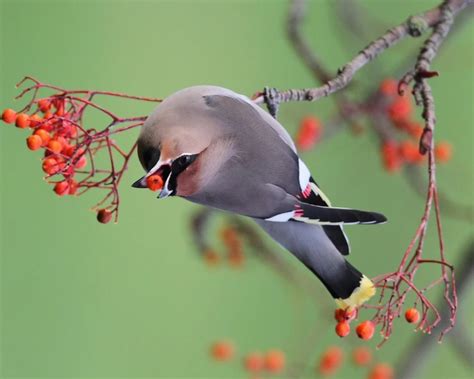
<point x="140" y="183"/>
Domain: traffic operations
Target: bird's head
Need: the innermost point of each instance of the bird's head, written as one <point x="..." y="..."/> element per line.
<point x="172" y="143"/>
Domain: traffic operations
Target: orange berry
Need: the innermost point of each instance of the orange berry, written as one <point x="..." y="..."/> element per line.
<point x="35" y="120"/>
<point x="22" y="120"/>
<point x="236" y="259"/>
<point x="330" y="360"/>
<point x="361" y="356"/>
<point x="350" y="314"/>
<point x="412" y="315"/>
<point x="9" y="116"/>
<point x="409" y="152"/>
<point x="443" y="151"/>
<point x="81" y="162"/>
<point x="309" y="133"/>
<point x="211" y="257"/>
<point x="104" y="216"/>
<point x="365" y="330"/>
<point x="72" y="187"/>
<point x="391" y="158"/>
<point x="50" y="166"/>
<point x="55" y="146"/>
<point x="44" y="135"/>
<point x="34" y="142"/>
<point x="69" y="150"/>
<point x="154" y="182"/>
<point x="222" y="350"/>
<point x="229" y="235"/>
<point x="389" y="87"/>
<point x="73" y="131"/>
<point x="253" y="362"/>
<point x="274" y="361"/>
<point x="343" y="329"/>
<point x="63" y="141"/>
<point x="400" y="109"/>
<point x="344" y="314"/>
<point x="48" y="115"/>
<point x="415" y="129"/>
<point x="381" y="371"/>
<point x="60" y="112"/>
<point x="339" y="314"/>
<point x="44" y="105"/>
<point x="61" y="188"/>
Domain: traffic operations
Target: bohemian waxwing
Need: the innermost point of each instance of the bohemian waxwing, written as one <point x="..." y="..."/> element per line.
<point x="217" y="148"/>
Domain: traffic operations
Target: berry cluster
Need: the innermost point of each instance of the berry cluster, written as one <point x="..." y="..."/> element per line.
<point x="365" y="330"/>
<point x="332" y="359"/>
<point x="399" y="111"/>
<point x="57" y="135"/>
<point x="70" y="149"/>
<point x="233" y="245"/>
<point x="271" y="362"/>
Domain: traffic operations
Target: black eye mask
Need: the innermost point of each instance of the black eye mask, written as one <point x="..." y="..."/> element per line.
<point x="178" y="166"/>
<point x="150" y="157"/>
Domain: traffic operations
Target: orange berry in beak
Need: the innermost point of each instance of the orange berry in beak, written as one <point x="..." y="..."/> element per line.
<point x="154" y="182"/>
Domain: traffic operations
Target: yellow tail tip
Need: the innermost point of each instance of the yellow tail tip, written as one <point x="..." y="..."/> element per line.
<point x="359" y="296"/>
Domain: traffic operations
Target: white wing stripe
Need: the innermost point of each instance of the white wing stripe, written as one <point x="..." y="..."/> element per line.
<point x="304" y="175"/>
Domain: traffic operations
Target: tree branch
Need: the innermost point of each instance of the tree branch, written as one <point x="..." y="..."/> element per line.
<point x="418" y="355"/>
<point x="414" y="26"/>
<point x="300" y="43"/>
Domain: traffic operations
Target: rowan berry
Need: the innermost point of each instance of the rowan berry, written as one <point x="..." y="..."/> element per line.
<point x="154" y="182"/>
<point x="61" y="188"/>
<point x="44" y="105"/>
<point x="343" y="329"/>
<point x="365" y="330"/>
<point x="222" y="350"/>
<point x="9" y="116"/>
<point x="361" y="356"/>
<point x="104" y="216"/>
<point x="22" y="120"/>
<point x="253" y="362"/>
<point x="412" y="315"/>
<point x="34" y="142"/>
<point x="274" y="361"/>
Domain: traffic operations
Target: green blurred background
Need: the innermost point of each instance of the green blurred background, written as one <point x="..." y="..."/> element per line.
<point x="80" y="299"/>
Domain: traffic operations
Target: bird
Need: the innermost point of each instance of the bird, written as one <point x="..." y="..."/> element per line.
<point x="217" y="148"/>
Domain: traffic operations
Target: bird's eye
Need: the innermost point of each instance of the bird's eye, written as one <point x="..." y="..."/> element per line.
<point x="184" y="161"/>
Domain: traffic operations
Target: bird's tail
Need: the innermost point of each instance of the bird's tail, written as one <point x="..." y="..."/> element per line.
<point x="311" y="245"/>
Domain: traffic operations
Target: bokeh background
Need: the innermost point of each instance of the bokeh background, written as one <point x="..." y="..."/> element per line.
<point x="80" y="299"/>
